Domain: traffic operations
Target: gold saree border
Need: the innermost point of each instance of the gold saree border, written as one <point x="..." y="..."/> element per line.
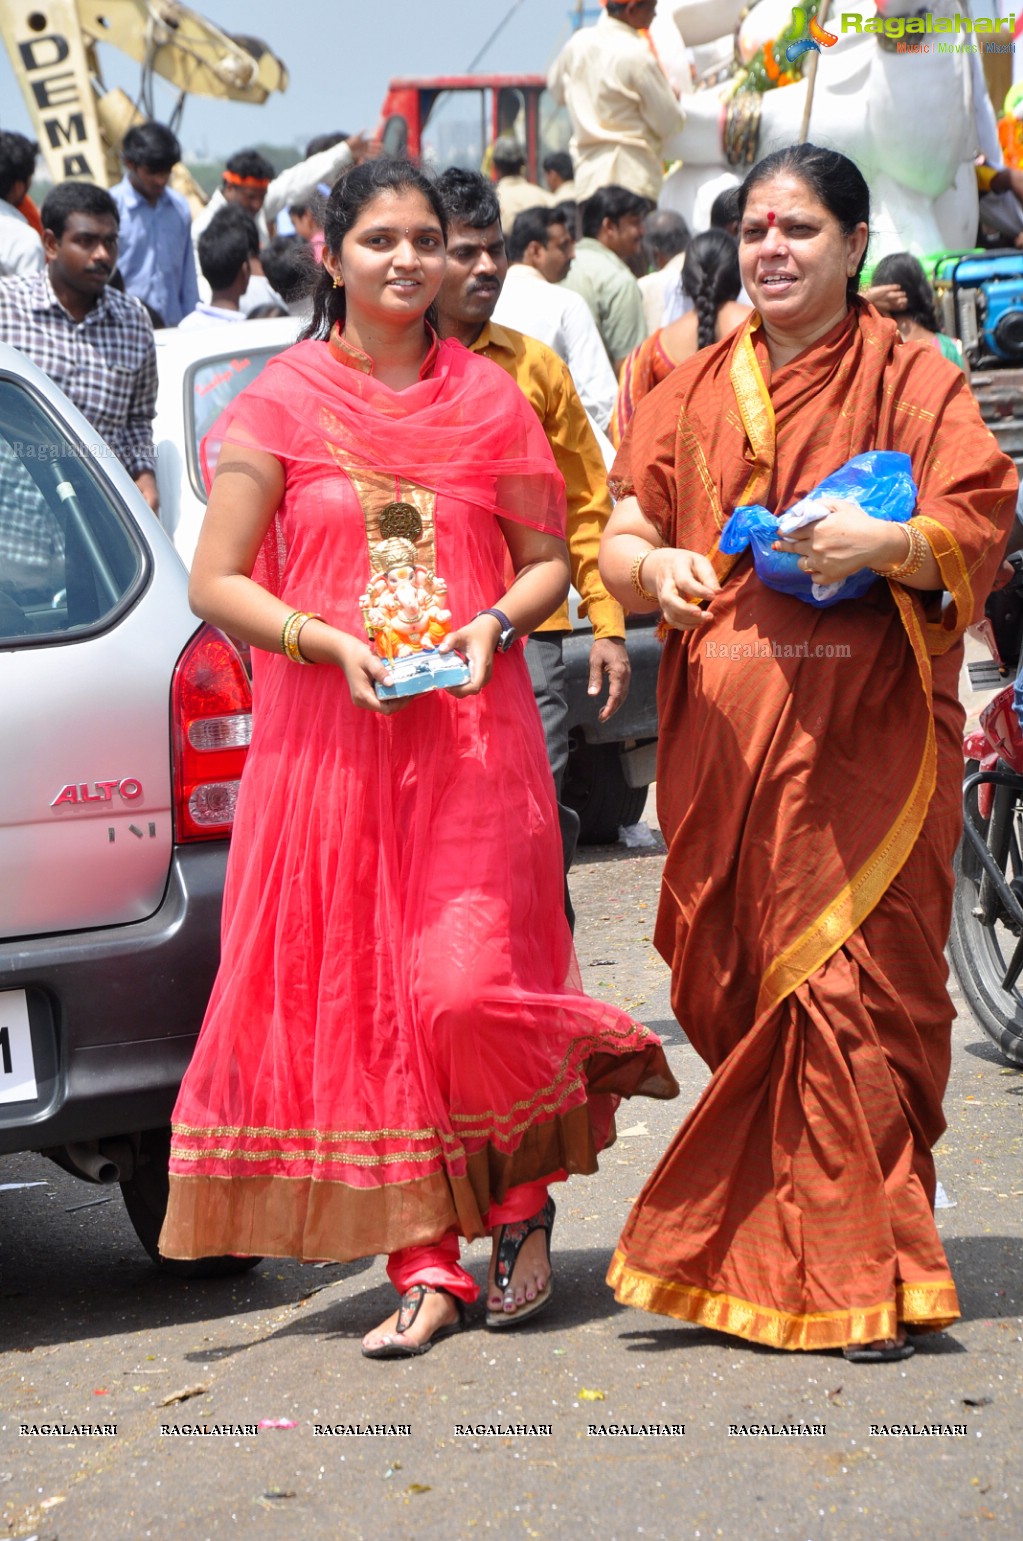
<point x="273" y="1131"/>
<point x="929" y="1307"/>
<point x="319" y="1158"/>
<point x="855" y="901"/>
<point x="847" y="912"/>
<point x="756" y="410"/>
<point x="956" y="576"/>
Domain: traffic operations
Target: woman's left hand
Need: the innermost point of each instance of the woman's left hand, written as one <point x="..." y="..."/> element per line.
<point x="844" y="542"/>
<point x="477" y="642"/>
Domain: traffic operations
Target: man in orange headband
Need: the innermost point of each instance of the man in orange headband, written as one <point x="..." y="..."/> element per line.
<point x="250" y="182"/>
<point x="246" y="180"/>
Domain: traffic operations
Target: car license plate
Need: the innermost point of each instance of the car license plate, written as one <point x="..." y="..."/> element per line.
<point x="17" y="1067"/>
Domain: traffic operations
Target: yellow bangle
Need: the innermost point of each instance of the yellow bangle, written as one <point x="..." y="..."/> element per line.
<point x="292" y="630"/>
<point x="286" y="628"/>
<point x="916" y="556"/>
<point x="635" y="579"/>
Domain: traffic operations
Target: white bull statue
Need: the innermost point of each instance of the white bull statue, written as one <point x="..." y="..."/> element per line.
<point x="908" y="119"/>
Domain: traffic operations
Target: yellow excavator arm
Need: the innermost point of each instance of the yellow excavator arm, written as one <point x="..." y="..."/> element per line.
<point x="52" y="45"/>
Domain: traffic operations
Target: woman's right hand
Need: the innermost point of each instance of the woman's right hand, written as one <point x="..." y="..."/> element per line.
<point x="677" y="577"/>
<point x="887" y="299"/>
<point x="363" y="669"/>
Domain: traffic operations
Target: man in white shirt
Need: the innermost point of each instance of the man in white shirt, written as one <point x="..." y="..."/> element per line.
<point x="666" y="240"/>
<point x="21" y="250"/>
<point x="540" y="249"/>
<point x="619" y="100"/>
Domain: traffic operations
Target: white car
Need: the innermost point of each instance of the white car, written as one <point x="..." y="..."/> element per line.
<point x="200" y="372"/>
<point x="125" y="731"/>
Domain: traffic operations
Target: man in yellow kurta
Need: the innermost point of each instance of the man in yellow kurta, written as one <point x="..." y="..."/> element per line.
<point x="477" y="264"/>
<point x="619" y="100"/>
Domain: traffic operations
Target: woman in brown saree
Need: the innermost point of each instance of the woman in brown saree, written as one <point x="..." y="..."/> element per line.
<point x="808" y="790"/>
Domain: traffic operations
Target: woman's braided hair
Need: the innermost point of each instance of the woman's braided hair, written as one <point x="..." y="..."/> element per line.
<point x="711" y="278"/>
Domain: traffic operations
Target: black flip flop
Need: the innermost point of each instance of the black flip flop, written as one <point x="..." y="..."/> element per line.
<point x="509" y="1245"/>
<point x="408" y="1309"/>
<point x="862" y="1353"/>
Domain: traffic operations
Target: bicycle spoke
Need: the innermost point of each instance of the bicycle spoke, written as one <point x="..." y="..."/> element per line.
<point x="1015" y="967"/>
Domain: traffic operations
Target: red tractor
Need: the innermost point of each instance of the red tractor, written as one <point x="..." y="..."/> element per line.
<point x="447" y="120"/>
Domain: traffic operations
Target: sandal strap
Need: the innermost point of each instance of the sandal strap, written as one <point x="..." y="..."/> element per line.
<point x="410" y="1305"/>
<point x="513" y="1237"/>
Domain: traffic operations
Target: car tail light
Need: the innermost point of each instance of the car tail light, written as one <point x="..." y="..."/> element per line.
<point x="211" y="717"/>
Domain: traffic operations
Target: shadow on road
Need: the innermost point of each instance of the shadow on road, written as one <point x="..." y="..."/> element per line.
<point x="71" y="1268"/>
<point x="988" y="1271"/>
<point x="118" y="1296"/>
<point x="986" y="1050"/>
<point x="667" y="1030"/>
<point x="581" y="1297"/>
<point x="660" y="1340"/>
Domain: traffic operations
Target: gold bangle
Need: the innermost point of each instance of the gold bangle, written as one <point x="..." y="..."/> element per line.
<point x="286" y="628"/>
<point x="291" y="632"/>
<point x="635" y="579"/>
<point x="297" y="638"/>
<point x="917" y="554"/>
<point x="289" y="635"/>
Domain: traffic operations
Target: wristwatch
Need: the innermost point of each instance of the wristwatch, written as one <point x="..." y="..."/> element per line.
<point x="508" y="632"/>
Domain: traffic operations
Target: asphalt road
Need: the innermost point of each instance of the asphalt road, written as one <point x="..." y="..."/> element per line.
<point x="89" y="1334"/>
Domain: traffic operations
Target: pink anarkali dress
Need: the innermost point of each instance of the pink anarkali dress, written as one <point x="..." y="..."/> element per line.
<point x="397" y="1050"/>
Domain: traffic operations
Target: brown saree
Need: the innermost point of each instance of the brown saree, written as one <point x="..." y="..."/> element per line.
<point x="808" y="788"/>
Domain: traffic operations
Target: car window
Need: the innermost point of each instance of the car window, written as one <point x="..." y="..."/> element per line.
<point x="209" y="388"/>
<point x="68" y="559"/>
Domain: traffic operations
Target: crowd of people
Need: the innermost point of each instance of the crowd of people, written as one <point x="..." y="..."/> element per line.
<point x="398" y="1054"/>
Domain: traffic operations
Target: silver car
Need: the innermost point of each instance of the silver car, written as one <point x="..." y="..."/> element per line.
<point x="125" y="730"/>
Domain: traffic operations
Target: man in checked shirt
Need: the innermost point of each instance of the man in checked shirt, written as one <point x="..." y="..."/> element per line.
<point x="95" y="343"/>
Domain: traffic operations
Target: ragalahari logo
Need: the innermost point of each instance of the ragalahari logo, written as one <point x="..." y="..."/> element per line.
<point x="816" y="38"/>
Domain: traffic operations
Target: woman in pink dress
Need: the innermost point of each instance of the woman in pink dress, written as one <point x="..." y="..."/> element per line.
<point x="397" y="1051"/>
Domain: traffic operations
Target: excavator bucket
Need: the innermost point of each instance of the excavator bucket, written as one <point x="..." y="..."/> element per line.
<point x="53" y="49"/>
<point x="183" y="47"/>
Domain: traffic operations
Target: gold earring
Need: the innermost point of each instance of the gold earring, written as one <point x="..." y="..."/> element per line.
<point x="339" y="282"/>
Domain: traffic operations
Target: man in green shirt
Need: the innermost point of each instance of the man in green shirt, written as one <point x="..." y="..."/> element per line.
<point x="612" y="226"/>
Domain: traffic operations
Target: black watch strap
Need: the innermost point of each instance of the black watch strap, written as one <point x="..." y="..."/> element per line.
<point x="508" y="632"/>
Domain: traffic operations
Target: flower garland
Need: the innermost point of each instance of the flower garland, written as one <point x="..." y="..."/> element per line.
<point x="769" y="68"/>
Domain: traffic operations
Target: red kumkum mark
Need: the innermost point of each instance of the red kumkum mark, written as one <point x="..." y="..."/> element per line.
<point x="770" y="216"/>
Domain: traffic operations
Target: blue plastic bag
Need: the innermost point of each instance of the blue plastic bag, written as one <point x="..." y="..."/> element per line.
<point x="880" y="481"/>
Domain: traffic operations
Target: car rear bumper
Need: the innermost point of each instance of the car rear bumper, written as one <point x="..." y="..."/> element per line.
<point x="114" y="1013"/>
